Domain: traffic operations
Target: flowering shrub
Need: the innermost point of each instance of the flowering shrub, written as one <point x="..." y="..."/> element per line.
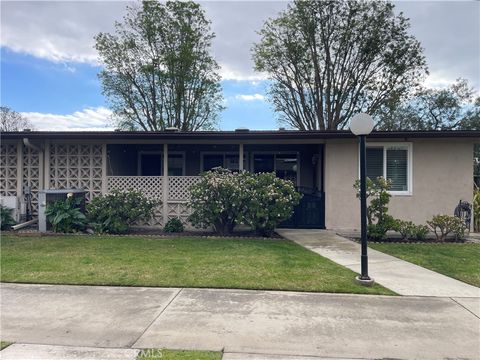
<point x="270" y="201"/>
<point x="114" y="213"/>
<point x="218" y="200"/>
<point x="223" y="199"/>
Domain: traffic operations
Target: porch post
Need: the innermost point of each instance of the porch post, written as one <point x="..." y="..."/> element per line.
<point x="20" y="176"/>
<point x="46" y="181"/>
<point x="165" y="184"/>
<point x="104" y="169"/>
<point x="240" y="157"/>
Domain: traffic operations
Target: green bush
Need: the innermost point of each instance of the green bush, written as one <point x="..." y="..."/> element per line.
<point x="66" y="216"/>
<point x="271" y="200"/>
<point x="420" y="232"/>
<point x="6" y="218"/>
<point x="410" y="231"/>
<point x="476" y="210"/>
<point x="173" y="226"/>
<point x="219" y="200"/>
<point x="378" y="231"/>
<point x="378" y="198"/>
<point x="443" y="225"/>
<point x="114" y="213"/>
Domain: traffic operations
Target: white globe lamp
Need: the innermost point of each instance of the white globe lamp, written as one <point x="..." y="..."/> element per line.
<point x="361" y="124"/>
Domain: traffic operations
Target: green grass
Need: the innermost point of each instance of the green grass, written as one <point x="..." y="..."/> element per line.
<point x="176" y="262"/>
<point x="162" y="354"/>
<point x="459" y="261"/>
<point x="4" y="344"/>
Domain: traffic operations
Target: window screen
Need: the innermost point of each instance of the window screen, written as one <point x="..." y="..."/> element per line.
<point x="151" y="165"/>
<point x="231" y="162"/>
<point x="397" y="169"/>
<point x="374" y="162"/>
<point x="263" y="163"/>
<point x="175" y="164"/>
<point x="286" y="166"/>
<point x="211" y="161"/>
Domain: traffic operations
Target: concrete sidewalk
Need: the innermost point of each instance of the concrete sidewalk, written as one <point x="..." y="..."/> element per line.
<point x="245" y="324"/>
<point x="398" y="275"/>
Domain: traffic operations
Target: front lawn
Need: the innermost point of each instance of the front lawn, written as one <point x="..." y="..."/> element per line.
<point x="176" y="262"/>
<point x="4" y="344"/>
<point x="459" y="261"/>
<point x="162" y="354"/>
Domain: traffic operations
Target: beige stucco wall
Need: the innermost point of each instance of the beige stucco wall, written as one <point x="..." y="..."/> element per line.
<point x="442" y="171"/>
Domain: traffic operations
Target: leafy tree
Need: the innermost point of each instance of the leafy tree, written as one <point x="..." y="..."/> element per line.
<point x="328" y="60"/>
<point x="452" y="108"/>
<point x="158" y="71"/>
<point x="12" y="120"/>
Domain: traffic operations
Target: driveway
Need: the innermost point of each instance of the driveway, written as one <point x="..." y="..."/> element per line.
<point x="245" y="324"/>
<point x="398" y="275"/>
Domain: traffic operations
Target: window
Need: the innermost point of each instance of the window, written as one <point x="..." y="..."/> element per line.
<point x="263" y="163"/>
<point x="211" y="161"/>
<point x="176" y="164"/>
<point x="285" y="165"/>
<point x="393" y="162"/>
<point x="150" y="163"/>
<point x="226" y="160"/>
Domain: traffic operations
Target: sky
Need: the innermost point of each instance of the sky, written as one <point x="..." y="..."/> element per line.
<point x="49" y="65"/>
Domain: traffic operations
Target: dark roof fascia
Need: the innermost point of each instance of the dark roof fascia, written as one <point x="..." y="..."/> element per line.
<point x="232" y="135"/>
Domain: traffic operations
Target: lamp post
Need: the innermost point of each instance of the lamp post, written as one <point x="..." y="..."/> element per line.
<point x="362" y="125"/>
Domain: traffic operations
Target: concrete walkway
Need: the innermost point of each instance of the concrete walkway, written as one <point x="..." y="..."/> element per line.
<point x="398" y="275"/>
<point x="247" y="325"/>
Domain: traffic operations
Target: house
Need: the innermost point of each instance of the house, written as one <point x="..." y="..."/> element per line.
<point x="431" y="170"/>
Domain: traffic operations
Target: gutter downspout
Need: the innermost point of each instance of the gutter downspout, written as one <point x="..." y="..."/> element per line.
<point x="27" y="143"/>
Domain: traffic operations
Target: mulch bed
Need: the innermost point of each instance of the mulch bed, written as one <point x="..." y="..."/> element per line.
<point x="146" y="231"/>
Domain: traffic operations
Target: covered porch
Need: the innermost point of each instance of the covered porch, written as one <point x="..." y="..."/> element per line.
<point x="141" y="166"/>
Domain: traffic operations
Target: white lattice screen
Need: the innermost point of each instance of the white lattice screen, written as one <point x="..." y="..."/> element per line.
<point x="8" y="170"/>
<point x="76" y="166"/>
<point x="178" y="186"/>
<point x="150" y="186"/>
<point x="31" y="174"/>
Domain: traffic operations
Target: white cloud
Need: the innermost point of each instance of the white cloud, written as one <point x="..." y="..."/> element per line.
<point x="250" y="97"/>
<point x="88" y="119"/>
<point x="63" y="31"/>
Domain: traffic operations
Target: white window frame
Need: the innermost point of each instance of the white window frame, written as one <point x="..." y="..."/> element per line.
<point x="158" y="152"/>
<point x="275" y="153"/>
<point x="386" y="146"/>
<point x="223" y="153"/>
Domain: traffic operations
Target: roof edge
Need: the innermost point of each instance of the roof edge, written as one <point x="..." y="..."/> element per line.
<point x="252" y="134"/>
